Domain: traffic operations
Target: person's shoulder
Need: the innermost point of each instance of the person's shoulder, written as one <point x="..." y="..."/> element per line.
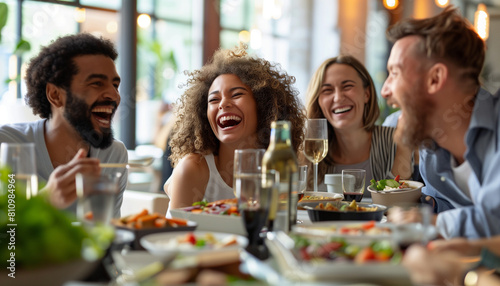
<point x="193" y="161"/>
<point x="118" y="145"/>
<point x="392" y="119"/>
<point x="192" y="167"/>
<point x="19" y="132"/>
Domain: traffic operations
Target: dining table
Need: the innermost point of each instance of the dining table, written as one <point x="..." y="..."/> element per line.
<point x="267" y="272"/>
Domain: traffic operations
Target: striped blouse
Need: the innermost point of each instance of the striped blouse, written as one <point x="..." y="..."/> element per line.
<point x="382" y="153"/>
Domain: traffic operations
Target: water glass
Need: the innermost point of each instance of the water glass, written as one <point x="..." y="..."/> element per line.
<point x="20" y="159"/>
<point x="413" y="224"/>
<point x="302" y="180"/>
<point x="96" y="197"/>
<point x="353" y="184"/>
<point x="246" y="161"/>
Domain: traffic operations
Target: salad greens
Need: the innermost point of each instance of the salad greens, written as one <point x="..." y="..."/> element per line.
<point x="43" y="234"/>
<point x="380" y="185"/>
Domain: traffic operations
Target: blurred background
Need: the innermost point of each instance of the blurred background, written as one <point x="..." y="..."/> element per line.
<point x="159" y="39"/>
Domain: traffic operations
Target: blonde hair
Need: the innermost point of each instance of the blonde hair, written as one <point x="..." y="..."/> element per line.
<point x="371" y="111"/>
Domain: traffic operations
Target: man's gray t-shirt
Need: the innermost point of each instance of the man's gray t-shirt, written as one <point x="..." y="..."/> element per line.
<point x="33" y="132"/>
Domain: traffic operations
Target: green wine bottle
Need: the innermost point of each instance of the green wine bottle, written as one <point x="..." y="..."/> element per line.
<point x="281" y="157"/>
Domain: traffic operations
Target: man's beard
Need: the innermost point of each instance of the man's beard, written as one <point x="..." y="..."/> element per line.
<point x="413" y="127"/>
<point x="78" y="113"/>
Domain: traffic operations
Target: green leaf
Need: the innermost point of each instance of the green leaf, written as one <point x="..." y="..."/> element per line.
<point x="4" y="11"/>
<point x="392" y="183"/>
<point x="22" y="47"/>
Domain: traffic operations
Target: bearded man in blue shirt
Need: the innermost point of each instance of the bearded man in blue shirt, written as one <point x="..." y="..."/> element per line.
<point x="434" y="70"/>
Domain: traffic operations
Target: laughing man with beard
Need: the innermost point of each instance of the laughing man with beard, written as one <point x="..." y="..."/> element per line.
<point x="73" y="86"/>
<point x="434" y="70"/>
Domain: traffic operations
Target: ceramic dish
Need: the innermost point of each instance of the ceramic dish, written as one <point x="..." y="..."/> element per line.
<point x="327" y="215"/>
<point x="213" y="222"/>
<point x="191" y="243"/>
<point x="346" y="228"/>
<point x="342" y="272"/>
<point x="391" y="198"/>
<point x="140" y="233"/>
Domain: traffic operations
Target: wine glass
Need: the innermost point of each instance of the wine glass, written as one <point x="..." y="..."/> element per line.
<point x="316" y="144"/>
<point x="20" y="159"/>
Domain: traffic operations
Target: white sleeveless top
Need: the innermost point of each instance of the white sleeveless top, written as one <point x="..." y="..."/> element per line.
<point x="216" y="189"/>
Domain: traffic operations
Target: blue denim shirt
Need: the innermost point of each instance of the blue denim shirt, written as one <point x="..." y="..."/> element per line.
<point x="459" y="215"/>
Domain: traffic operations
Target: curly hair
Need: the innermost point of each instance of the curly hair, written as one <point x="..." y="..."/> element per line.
<point x="54" y="64"/>
<point x="445" y="37"/>
<point x="370" y="113"/>
<point x="274" y="94"/>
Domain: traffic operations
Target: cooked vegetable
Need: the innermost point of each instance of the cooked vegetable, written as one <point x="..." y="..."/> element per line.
<point x="144" y="219"/>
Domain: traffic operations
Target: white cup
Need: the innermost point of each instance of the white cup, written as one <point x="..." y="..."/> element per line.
<point x="333" y="183"/>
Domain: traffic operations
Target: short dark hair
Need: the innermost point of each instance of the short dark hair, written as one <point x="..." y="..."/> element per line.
<point x="447" y="37"/>
<point x="54" y="64"/>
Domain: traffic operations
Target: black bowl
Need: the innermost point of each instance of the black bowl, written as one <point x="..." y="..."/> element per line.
<point x="324" y="215"/>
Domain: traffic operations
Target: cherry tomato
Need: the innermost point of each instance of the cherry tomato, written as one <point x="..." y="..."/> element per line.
<point x="191" y="238"/>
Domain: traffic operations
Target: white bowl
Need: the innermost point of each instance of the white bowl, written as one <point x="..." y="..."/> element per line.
<point x="398" y="197"/>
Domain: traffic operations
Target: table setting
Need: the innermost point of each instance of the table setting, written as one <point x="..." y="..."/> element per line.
<point x="329" y="240"/>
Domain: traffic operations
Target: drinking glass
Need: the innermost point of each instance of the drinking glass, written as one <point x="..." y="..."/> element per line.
<point x="20" y="159"/>
<point x="254" y="190"/>
<point x="254" y="204"/>
<point x="316" y="144"/>
<point x="413" y="224"/>
<point x="246" y="161"/>
<point x="96" y="197"/>
<point x="353" y="184"/>
<point x="302" y="180"/>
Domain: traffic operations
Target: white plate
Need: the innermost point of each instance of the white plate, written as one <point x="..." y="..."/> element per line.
<point x="333" y="271"/>
<point x="213" y="222"/>
<point x="165" y="243"/>
<point x="333" y="228"/>
<point x="397" y="232"/>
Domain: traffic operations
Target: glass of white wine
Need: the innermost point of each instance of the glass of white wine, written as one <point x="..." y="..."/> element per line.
<point x="316" y="144"/>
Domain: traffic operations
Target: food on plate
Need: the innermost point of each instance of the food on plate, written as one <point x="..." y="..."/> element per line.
<point x="220" y="207"/>
<point x="338" y="249"/>
<point x="194" y="241"/>
<point x="389" y="184"/>
<point x="318" y="198"/>
<point x="368" y="228"/>
<point x="349" y="207"/>
<point x="144" y="220"/>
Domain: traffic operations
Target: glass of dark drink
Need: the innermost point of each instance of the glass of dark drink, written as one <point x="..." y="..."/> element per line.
<point x="353" y="184"/>
<point x="254" y="204"/>
<point x="253" y="188"/>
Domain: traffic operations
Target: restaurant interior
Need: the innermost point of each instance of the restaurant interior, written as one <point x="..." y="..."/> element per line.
<point x="157" y="40"/>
